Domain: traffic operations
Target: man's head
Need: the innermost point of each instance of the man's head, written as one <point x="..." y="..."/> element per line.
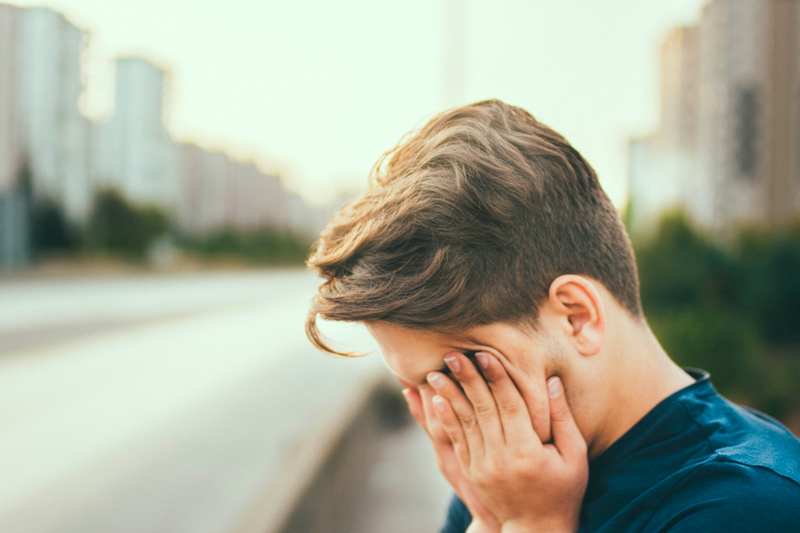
<point x="468" y="222"/>
<point x="486" y="230"/>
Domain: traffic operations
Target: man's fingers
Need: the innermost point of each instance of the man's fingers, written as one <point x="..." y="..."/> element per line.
<point x="567" y="438"/>
<point x="479" y="395"/>
<point x="534" y="393"/>
<point x="462" y="408"/>
<point x="434" y="426"/>
<point x="513" y="411"/>
<point x="452" y="425"/>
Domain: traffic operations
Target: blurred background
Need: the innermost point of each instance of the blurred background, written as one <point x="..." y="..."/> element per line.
<point x="166" y="165"/>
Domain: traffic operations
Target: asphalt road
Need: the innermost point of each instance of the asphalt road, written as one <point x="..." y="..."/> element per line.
<point x="167" y="403"/>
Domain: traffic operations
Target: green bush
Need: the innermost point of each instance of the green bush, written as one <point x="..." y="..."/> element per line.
<point x="680" y="269"/>
<point x="263" y="246"/>
<point x="50" y="230"/>
<point x="719" y="341"/>
<point x="119" y="227"/>
<point x="770" y="275"/>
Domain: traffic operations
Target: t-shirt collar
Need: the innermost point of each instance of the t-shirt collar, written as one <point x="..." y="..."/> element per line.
<point x="620" y="448"/>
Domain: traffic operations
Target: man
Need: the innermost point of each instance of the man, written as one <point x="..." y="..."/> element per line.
<point x="500" y="284"/>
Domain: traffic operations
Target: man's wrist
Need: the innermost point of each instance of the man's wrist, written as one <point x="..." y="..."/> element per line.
<point x="538" y="527"/>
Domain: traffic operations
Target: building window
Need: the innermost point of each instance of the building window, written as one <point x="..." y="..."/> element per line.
<point x="747" y="132"/>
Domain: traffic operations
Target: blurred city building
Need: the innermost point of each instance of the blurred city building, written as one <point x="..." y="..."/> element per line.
<point x="10" y="119"/>
<point x="54" y="135"/>
<point x="201" y="207"/>
<point x="216" y="191"/>
<point x="49" y="151"/>
<point x="728" y="148"/>
<point x="44" y="138"/>
<point x="134" y="152"/>
<point x="13" y="209"/>
<point x="254" y="199"/>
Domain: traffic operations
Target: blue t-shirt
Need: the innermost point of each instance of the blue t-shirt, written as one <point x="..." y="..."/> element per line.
<point x="695" y="462"/>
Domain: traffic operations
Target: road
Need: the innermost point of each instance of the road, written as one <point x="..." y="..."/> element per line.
<point x="162" y="403"/>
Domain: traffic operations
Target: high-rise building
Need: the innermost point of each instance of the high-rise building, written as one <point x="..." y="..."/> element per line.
<point x="10" y="124"/>
<point x="134" y="151"/>
<point x="218" y="192"/>
<point x="43" y="134"/>
<point x="202" y="197"/>
<point x="661" y="165"/>
<point x="55" y="135"/>
<point x="254" y="199"/>
<point x="729" y="140"/>
<point x="748" y="124"/>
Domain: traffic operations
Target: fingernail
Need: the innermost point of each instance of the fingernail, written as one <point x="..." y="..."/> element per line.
<point x="483" y="360"/>
<point x="554" y="387"/>
<point x="405" y="394"/>
<point x="453" y="363"/>
<point x="435" y="380"/>
<point x="438" y="401"/>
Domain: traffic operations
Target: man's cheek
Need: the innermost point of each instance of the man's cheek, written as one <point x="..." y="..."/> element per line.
<point x="405" y="383"/>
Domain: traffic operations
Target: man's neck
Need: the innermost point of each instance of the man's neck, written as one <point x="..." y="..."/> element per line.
<point x="640" y="376"/>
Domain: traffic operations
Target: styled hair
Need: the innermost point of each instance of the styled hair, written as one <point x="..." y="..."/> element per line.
<point x="467" y="222"/>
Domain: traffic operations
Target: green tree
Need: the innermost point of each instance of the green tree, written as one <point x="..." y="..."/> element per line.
<point x="680" y="268"/>
<point x="263" y="246"/>
<point x="50" y="230"/>
<point x="724" y="343"/>
<point x="770" y="276"/>
<point x="119" y="227"/>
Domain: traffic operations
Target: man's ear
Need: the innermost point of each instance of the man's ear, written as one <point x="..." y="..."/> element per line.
<point x="578" y="307"/>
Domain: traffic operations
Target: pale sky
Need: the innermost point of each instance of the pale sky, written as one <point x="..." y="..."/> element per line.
<point x="318" y="90"/>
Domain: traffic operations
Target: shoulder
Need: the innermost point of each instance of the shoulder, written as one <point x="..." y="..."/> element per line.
<point x="741" y="435"/>
<point x="721" y="495"/>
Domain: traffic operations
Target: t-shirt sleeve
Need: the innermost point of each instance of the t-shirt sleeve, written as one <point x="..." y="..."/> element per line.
<point x="458" y="517"/>
<point x="730" y="498"/>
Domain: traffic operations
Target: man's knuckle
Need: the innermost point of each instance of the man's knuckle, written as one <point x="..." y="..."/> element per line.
<point x="484" y="410"/>
<point x="508" y="408"/>
<point x="559" y="415"/>
<point x="522" y="456"/>
<point x="468" y="421"/>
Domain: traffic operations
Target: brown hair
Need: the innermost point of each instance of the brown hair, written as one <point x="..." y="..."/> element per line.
<point x="467" y="222"/>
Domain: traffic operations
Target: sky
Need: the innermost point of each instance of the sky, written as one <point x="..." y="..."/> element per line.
<point x="317" y="90"/>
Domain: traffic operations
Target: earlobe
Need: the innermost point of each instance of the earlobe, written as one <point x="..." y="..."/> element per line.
<point x="578" y="302"/>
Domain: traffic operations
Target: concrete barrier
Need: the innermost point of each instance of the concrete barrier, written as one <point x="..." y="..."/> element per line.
<point x="313" y="492"/>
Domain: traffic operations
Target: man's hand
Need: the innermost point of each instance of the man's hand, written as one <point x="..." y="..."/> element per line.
<point x="525" y="484"/>
<point x="420" y="403"/>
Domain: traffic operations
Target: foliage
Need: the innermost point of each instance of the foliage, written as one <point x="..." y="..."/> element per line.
<point x="50" y="230"/>
<point x="717" y="340"/>
<point x="681" y="269"/>
<point x="119" y="227"/>
<point x="770" y="264"/>
<point x="733" y="309"/>
<point x="263" y="246"/>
